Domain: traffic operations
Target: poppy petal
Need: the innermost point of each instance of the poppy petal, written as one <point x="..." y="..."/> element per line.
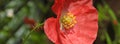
<point x="87" y="27"/>
<point x="50" y="29"/>
<point x="57" y="7"/>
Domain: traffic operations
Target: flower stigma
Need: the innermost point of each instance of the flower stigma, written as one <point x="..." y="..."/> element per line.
<point x="68" y="20"/>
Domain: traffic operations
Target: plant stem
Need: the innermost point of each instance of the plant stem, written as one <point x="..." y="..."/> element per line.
<point x="107" y="37"/>
<point x="37" y="26"/>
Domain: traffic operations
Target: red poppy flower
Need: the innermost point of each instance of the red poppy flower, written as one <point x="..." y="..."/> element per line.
<point x="76" y="22"/>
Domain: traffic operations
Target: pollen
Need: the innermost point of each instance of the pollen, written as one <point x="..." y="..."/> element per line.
<point x="68" y="20"/>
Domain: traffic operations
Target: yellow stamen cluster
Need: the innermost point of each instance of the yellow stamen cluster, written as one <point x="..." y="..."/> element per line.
<point x="68" y="20"/>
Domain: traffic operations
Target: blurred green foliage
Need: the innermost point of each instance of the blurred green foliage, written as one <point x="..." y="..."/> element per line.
<point x="109" y="25"/>
<point x="13" y="29"/>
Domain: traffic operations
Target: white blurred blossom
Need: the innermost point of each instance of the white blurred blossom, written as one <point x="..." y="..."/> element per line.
<point x="10" y="12"/>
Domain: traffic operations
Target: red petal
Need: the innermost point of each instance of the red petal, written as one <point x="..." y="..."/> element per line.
<point x="57" y="7"/>
<point x="67" y="3"/>
<point x="61" y="5"/>
<point x="85" y="31"/>
<point x="86" y="28"/>
<point x="79" y="7"/>
<point x="50" y="29"/>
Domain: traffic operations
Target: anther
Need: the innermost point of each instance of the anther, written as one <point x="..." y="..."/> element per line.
<point x="68" y="20"/>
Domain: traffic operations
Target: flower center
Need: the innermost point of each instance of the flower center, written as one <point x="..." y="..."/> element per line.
<point x="68" y="20"/>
